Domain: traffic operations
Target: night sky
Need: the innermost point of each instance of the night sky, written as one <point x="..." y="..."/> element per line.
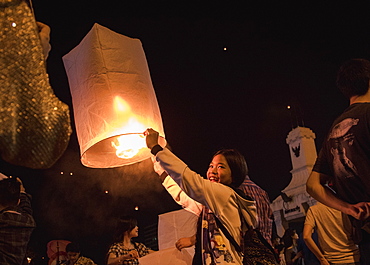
<point x="224" y="74"/>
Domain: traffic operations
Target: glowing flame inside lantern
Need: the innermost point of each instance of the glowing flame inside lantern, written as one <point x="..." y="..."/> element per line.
<point x="128" y="145"/>
<point x="128" y="151"/>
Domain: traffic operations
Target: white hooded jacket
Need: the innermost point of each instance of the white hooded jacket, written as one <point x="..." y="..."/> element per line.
<point x="222" y="200"/>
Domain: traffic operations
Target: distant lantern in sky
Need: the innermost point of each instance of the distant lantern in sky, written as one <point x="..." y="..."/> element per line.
<point x="113" y="99"/>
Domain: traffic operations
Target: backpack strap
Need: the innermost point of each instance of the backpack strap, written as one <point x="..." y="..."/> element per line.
<point x="264" y="241"/>
<point x="228" y="236"/>
<point x="225" y="231"/>
<point x="251" y="230"/>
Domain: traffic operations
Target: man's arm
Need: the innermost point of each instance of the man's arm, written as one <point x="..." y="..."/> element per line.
<point x="182" y="199"/>
<point x="176" y="192"/>
<point x="180" y="196"/>
<point x="307" y="237"/>
<point x="315" y="187"/>
<point x="185" y="201"/>
<point x="24" y="205"/>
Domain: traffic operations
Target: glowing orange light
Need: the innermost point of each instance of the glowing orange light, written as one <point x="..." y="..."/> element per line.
<point x="288" y="107"/>
<point x="113" y="97"/>
<point x="128" y="145"/>
<point x="136" y="208"/>
<point x="106" y="192"/>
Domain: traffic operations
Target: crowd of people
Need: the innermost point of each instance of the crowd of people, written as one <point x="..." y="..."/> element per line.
<point x="339" y="181"/>
<point x="228" y="168"/>
<point x="327" y="238"/>
<point x="235" y="219"/>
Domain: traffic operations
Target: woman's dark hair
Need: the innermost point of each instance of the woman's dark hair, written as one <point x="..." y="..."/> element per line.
<point x="73" y="247"/>
<point x="353" y="77"/>
<point x="288" y="237"/>
<point x="237" y="164"/>
<point x="124" y="224"/>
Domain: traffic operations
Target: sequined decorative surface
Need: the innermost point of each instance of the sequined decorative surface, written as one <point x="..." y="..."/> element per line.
<point x="34" y="123"/>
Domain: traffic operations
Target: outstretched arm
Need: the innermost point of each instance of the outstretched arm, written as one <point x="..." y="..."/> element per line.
<point x="316" y="188"/>
<point x="182" y="199"/>
<point x="44" y="32"/>
<point x="185" y="242"/>
<point x="176" y="192"/>
<point x="24" y="205"/>
<point x="180" y="196"/>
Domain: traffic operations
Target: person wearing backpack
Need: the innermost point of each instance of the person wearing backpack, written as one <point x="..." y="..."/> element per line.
<point x="223" y="205"/>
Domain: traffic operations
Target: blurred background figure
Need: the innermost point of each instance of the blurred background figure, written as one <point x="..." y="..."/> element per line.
<point x="56" y="251"/>
<point x="74" y="256"/>
<point x="334" y="229"/>
<point x="278" y="247"/>
<point x="290" y="238"/>
<point x="306" y="255"/>
<point x="16" y="221"/>
<point x="124" y="250"/>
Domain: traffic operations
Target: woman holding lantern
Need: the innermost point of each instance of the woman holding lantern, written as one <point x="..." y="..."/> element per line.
<point x="223" y="206"/>
<point x="124" y="250"/>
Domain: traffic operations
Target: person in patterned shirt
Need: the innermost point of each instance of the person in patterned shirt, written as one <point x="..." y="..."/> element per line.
<point x="125" y="251"/>
<point x="16" y="221"/>
<point x="264" y="211"/>
<point x="74" y="256"/>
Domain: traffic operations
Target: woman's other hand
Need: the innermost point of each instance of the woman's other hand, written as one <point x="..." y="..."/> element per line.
<point x="44" y="32"/>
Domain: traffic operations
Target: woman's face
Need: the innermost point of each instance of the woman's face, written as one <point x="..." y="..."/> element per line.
<point x="219" y="170"/>
<point x="134" y="232"/>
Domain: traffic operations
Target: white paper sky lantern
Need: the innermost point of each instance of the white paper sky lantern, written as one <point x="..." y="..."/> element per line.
<point x="113" y="99"/>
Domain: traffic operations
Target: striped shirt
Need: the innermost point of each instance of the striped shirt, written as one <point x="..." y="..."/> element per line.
<point x="264" y="211"/>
